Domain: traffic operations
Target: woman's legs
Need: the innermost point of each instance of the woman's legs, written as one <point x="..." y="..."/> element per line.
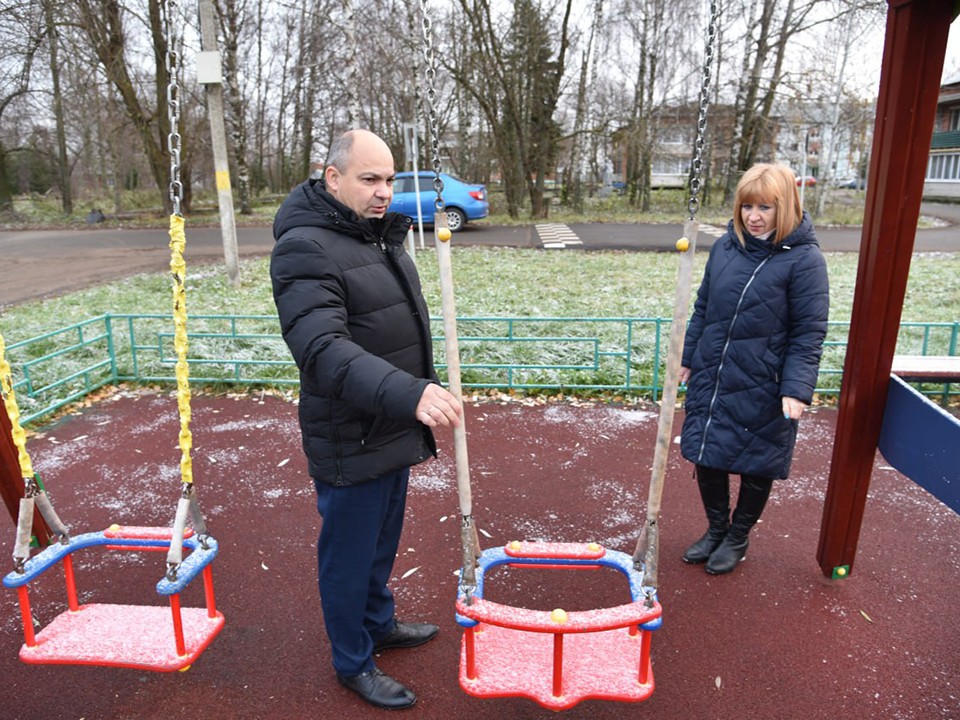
<point x="715" y="494"/>
<point x="754" y="492"/>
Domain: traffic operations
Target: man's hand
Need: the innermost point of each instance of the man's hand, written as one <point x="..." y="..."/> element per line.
<point x="438" y="406"/>
<point x="683" y="375"/>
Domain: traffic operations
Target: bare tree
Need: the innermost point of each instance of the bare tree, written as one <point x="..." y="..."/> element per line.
<point x="22" y="35"/>
<point x="105" y="25"/>
<point x="513" y="70"/>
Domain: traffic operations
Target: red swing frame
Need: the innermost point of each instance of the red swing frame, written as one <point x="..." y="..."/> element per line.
<point x="129" y="636"/>
<point x="554" y="657"/>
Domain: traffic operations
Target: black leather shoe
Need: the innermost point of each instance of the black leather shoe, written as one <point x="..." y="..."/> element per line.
<point x="406" y="635"/>
<point x="379" y="689"/>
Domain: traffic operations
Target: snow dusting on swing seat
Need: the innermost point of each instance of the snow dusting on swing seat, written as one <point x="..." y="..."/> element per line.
<point x="142" y="637"/>
<point x="558" y="658"/>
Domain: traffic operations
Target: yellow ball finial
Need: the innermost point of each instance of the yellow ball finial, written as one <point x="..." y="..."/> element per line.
<point x="515" y="545"/>
<point x="841" y="571"/>
<point x="443" y="234"/>
<point x="683" y="244"/>
<point x="559" y="616"/>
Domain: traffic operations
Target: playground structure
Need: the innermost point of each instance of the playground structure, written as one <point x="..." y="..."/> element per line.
<point x="912" y="25"/>
<point x="106" y="633"/>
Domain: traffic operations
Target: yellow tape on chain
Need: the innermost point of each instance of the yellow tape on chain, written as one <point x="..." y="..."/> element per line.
<point x="13" y="412"/>
<point x="178" y="267"/>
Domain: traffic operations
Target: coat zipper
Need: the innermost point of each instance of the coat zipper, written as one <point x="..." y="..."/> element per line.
<point x="723" y="355"/>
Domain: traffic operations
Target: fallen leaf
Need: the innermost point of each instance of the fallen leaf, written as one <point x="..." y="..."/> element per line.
<point x="409" y="572"/>
<point x="866" y="617"/>
<point x="717" y="682"/>
<point x="264" y="565"/>
<point x="485" y="533"/>
<point x="283" y="462"/>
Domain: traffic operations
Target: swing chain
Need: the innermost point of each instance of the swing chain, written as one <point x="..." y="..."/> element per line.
<point x="697" y="164"/>
<point x="430" y="59"/>
<point x="174" y="145"/>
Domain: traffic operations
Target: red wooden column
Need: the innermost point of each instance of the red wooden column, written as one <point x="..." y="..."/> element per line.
<point x="916" y="41"/>
<point x="11" y="483"/>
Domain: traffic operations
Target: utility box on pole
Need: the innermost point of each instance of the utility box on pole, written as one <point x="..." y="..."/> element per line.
<point x="210" y="75"/>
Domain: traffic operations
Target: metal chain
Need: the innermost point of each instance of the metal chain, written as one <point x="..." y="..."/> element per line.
<point x="697" y="165"/>
<point x="430" y="61"/>
<point x="168" y="10"/>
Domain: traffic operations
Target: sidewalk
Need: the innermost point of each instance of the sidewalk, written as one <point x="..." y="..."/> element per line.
<point x="773" y="640"/>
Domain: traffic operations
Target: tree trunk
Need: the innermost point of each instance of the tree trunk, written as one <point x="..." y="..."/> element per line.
<point x="63" y="162"/>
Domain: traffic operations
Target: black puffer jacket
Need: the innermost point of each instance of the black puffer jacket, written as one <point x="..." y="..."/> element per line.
<point x="353" y="316"/>
<point x="756" y="335"/>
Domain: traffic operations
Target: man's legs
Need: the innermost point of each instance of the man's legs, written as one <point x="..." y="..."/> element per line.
<point x="355" y="554"/>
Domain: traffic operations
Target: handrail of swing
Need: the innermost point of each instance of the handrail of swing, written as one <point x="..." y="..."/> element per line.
<point x="198" y="559"/>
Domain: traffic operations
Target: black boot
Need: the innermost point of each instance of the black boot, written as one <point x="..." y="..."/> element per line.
<point x="715" y="495"/>
<point x="753" y="496"/>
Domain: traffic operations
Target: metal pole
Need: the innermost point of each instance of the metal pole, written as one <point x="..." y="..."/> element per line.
<point x="209" y="74"/>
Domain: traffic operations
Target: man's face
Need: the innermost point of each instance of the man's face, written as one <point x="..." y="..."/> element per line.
<point x="365" y="185"/>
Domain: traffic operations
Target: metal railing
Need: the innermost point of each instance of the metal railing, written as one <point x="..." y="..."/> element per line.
<point x="532" y="354"/>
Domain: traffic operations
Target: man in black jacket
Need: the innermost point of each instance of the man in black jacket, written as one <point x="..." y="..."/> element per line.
<point x="353" y="315"/>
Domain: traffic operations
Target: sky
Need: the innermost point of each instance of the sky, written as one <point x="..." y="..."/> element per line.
<point x="951" y="65"/>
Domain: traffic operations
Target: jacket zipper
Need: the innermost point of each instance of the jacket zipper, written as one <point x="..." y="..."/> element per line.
<point x="723" y="355"/>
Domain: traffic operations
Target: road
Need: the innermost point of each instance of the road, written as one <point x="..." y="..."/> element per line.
<point x="48" y="263"/>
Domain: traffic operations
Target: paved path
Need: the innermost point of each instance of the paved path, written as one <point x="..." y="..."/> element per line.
<point x="773" y="640"/>
<point x="48" y="263"/>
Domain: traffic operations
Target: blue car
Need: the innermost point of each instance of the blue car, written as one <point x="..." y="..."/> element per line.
<point x="463" y="201"/>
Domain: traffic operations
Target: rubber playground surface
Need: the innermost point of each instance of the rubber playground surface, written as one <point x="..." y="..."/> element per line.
<point x="774" y="639"/>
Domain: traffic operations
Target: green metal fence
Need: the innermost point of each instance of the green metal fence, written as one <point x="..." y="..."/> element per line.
<point x="573" y="355"/>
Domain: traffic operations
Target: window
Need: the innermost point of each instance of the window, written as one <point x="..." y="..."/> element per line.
<point x="954" y="119"/>
<point x="944" y="166"/>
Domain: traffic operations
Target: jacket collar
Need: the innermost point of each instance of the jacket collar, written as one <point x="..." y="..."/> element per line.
<point x="333" y="214"/>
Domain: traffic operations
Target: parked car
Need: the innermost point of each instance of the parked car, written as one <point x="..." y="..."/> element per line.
<point x="808" y="180"/>
<point x="463" y="200"/>
<point x="853" y="184"/>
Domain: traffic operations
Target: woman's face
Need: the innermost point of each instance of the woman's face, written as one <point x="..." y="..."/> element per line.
<point x="759" y="217"/>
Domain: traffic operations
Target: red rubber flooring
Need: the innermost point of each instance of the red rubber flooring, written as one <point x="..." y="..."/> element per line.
<point x="775" y="639"/>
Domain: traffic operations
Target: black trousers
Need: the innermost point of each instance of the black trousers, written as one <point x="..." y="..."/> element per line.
<point x="355" y="554"/>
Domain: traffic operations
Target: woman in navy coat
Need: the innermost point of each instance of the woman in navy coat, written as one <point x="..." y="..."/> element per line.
<point x="751" y="357"/>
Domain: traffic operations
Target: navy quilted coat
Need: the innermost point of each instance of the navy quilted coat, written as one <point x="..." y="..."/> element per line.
<point x="756" y="335"/>
<point x="352" y="313"/>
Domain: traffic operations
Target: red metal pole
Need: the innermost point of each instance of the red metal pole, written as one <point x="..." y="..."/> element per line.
<point x="645" y="657"/>
<point x="471" y="654"/>
<point x="27" y="616"/>
<point x="71" y="583"/>
<point x="915" y="45"/>
<point x="557" y="664"/>
<point x="178" y="625"/>
<point x="208" y="592"/>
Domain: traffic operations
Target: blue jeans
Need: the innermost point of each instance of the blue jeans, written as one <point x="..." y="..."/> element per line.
<point x="356" y="549"/>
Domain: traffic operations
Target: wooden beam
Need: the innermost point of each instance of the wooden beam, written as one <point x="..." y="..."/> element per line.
<point x="914" y="50"/>
<point x="11" y="482"/>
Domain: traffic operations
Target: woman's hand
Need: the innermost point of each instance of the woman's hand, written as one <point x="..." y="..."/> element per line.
<point x="684" y="375"/>
<point x="793" y="408"/>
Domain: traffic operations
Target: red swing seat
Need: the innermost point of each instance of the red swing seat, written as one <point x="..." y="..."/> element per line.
<point x="132" y="636"/>
<point x="557" y="658"/>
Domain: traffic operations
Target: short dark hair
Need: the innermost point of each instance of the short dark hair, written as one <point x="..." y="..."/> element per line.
<point x="339" y="154"/>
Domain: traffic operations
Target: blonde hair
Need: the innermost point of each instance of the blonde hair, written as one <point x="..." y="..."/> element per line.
<point x="775" y="185"/>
